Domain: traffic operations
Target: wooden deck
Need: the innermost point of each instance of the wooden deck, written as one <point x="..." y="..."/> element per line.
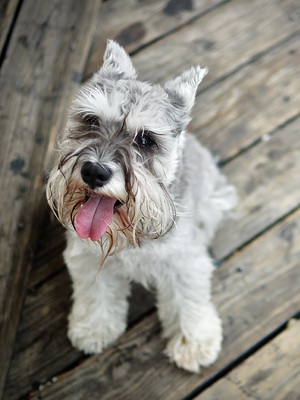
<point x="247" y="112"/>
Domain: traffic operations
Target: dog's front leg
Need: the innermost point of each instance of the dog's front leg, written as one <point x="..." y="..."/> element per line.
<point x="100" y="306"/>
<point x="190" y="321"/>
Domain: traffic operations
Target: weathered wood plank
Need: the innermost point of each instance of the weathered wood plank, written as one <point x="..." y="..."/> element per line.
<point x="48" y="259"/>
<point x="145" y="22"/>
<point x="222" y="40"/>
<point x="46" y="51"/>
<point x="251" y="103"/>
<point x="8" y="9"/>
<point x="273" y="373"/>
<point x="266" y="272"/>
<point x="268" y="182"/>
<point x="41" y="348"/>
<point x="42" y="334"/>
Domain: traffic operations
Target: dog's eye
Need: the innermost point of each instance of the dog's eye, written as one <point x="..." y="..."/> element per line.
<point x="144" y="139"/>
<point x="92" y="120"/>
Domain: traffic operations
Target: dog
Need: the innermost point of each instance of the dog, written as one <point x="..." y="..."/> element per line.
<point x="141" y="200"/>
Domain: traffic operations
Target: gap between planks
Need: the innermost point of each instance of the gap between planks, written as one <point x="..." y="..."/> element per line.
<point x="181" y="26"/>
<point x="271" y="374"/>
<point x="151" y="21"/>
<point x="9" y="21"/>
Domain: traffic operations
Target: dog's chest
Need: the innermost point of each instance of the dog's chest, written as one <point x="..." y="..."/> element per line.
<point x="144" y="264"/>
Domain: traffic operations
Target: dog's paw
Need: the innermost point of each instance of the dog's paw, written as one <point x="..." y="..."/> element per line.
<point x="93" y="340"/>
<point x="191" y="354"/>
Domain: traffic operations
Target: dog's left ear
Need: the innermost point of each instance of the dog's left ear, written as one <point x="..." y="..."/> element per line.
<point x="182" y="90"/>
<point x="116" y="63"/>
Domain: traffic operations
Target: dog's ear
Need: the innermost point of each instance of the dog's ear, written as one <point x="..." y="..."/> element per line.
<point x="116" y="63"/>
<point x="182" y="90"/>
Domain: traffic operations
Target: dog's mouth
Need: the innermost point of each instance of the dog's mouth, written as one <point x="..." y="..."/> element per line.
<point x="95" y="216"/>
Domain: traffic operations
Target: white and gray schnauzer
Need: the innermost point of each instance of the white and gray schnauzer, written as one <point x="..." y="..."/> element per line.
<point x="142" y="198"/>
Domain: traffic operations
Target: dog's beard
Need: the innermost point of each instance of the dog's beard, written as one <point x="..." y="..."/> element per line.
<point x="144" y="208"/>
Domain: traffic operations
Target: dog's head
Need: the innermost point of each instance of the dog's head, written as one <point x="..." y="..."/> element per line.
<point x="120" y="153"/>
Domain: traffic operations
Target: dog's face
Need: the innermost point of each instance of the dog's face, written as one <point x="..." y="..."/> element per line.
<point x="120" y="152"/>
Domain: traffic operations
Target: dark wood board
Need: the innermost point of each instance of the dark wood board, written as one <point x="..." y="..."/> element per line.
<point x="268" y="182"/>
<point x="8" y="14"/>
<point x="44" y="57"/>
<point x="145" y="22"/>
<point x="273" y="373"/>
<point x="251" y="103"/>
<point x="224" y="40"/>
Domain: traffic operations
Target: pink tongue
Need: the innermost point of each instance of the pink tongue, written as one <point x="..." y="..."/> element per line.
<point x="94" y="217"/>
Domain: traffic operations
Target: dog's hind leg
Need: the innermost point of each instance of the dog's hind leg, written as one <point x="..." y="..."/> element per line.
<point x="190" y="321"/>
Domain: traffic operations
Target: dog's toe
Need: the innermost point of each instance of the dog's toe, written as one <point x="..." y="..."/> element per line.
<point x="192" y="354"/>
<point x="93" y="341"/>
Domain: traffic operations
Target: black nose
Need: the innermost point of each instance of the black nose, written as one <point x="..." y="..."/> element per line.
<point x="95" y="174"/>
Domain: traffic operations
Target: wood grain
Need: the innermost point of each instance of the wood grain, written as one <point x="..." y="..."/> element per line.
<point x="268" y="182"/>
<point x="273" y="373"/>
<point x="251" y="103"/>
<point x="46" y="51"/>
<point x="223" y="40"/>
<point x="42" y="348"/>
<point x="266" y="273"/>
<point x="145" y="22"/>
<point x="48" y="258"/>
<point x="8" y="9"/>
<point x="42" y="336"/>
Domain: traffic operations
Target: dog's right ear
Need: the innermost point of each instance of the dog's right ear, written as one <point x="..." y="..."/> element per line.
<point x="182" y="90"/>
<point x="117" y="63"/>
